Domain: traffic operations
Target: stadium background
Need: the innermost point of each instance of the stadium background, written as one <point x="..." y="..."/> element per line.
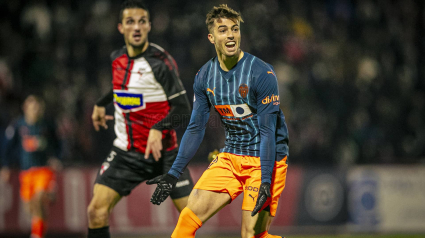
<point x="352" y="86"/>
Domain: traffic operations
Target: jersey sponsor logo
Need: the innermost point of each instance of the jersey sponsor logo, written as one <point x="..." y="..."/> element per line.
<point x="224" y="110"/>
<point x="211" y="91"/>
<point x="129" y="101"/>
<point x="270" y="72"/>
<point x="240" y="110"/>
<point x="243" y="90"/>
<point x="269" y="99"/>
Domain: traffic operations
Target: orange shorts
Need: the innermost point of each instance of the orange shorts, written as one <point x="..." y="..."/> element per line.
<point x="35" y="180"/>
<point x="235" y="174"/>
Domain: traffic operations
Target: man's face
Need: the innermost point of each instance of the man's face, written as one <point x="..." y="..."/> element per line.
<point x="32" y="108"/>
<point x="226" y="37"/>
<point x="135" y="26"/>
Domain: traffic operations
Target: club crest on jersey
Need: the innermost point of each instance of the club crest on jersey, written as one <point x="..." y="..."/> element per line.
<point x="104" y="167"/>
<point x="238" y="111"/>
<point x="128" y="101"/>
<point x="243" y="90"/>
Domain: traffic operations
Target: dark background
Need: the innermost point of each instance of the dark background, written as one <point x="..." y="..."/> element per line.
<point x="351" y="73"/>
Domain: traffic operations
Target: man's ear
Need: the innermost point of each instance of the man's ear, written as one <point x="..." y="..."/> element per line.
<point x="211" y="38"/>
<point x="120" y="28"/>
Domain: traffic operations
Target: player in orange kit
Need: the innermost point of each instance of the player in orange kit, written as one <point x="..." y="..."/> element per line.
<point x="243" y="90"/>
<point x="38" y="148"/>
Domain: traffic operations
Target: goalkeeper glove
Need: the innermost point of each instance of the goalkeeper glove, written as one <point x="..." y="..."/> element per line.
<point x="263" y="194"/>
<point x="165" y="184"/>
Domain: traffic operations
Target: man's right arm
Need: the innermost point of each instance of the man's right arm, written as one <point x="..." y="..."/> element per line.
<point x="191" y="140"/>
<point x="99" y="116"/>
<point x="195" y="132"/>
<point x="105" y="99"/>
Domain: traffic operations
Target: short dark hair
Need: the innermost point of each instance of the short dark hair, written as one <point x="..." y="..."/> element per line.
<point x="222" y="11"/>
<point x="127" y="4"/>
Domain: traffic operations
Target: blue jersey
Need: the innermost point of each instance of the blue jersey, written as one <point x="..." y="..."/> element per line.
<point x="34" y="144"/>
<point x="249" y="89"/>
<point x="247" y="99"/>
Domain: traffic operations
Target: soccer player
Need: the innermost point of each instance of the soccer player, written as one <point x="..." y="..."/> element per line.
<point x="149" y="100"/>
<point x="243" y="90"/>
<point x="38" y="149"/>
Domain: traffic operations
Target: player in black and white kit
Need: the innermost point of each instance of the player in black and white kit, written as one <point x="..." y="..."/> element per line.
<point x="149" y="100"/>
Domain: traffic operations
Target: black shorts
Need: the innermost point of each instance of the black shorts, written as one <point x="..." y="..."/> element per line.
<point x="124" y="170"/>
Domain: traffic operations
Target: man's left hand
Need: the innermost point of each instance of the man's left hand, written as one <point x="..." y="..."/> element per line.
<point x="154" y="144"/>
<point x="263" y="194"/>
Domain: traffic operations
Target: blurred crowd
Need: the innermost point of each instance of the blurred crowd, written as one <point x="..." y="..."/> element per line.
<point x="351" y="73"/>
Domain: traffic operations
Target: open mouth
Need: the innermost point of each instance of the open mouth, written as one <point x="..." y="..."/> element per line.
<point x="231" y="45"/>
<point x="137" y="36"/>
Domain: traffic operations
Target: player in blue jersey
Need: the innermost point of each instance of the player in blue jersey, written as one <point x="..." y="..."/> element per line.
<point x="243" y="90"/>
<point x="35" y="140"/>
